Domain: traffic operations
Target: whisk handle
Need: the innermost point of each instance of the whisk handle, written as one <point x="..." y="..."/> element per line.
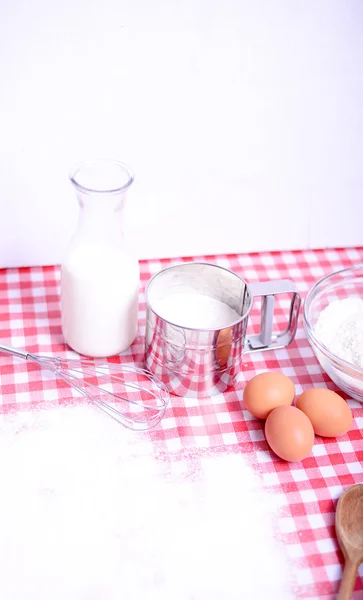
<point x="14" y="351"/>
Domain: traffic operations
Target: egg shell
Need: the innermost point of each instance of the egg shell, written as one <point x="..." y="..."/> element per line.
<point x="224" y="346"/>
<point x="266" y="391"/>
<point x="329" y="414"/>
<point x="289" y="433"/>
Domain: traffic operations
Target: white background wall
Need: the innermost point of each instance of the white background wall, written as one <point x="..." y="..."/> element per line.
<point x="243" y="121"/>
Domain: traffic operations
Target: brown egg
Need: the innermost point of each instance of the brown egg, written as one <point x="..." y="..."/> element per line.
<point x="329" y="414"/>
<point x="289" y="433"/>
<point x="223" y="346"/>
<point x="266" y="391"/>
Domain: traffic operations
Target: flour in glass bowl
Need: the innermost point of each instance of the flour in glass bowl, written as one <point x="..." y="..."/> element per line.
<point x="340" y="328"/>
<point x="88" y="512"/>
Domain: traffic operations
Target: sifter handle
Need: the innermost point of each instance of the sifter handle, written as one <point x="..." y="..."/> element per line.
<point x="267" y="339"/>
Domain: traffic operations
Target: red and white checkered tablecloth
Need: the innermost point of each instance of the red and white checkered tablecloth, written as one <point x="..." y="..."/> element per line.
<point x="30" y="318"/>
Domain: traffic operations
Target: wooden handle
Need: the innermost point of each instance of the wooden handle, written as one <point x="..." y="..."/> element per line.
<point x="348" y="580"/>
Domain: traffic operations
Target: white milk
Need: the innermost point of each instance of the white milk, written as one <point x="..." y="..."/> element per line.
<point x="99" y="300"/>
<point x="100" y="279"/>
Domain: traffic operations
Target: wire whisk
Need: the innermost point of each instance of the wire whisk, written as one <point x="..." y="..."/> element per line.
<point x="132" y="396"/>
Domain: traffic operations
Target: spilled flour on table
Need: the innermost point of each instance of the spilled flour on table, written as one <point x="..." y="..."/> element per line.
<point x="88" y="513"/>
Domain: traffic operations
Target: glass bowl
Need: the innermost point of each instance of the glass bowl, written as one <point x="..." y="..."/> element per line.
<point x="346" y="283"/>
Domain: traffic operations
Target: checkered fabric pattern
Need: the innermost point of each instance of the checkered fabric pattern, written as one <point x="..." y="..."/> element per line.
<point x="30" y="318"/>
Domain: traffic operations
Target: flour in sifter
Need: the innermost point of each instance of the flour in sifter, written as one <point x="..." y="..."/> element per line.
<point x="197" y="311"/>
<point x="88" y="512"/>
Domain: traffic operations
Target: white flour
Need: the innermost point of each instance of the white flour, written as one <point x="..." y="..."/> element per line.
<point x="195" y="310"/>
<point x="340" y="329"/>
<point x="87" y="513"/>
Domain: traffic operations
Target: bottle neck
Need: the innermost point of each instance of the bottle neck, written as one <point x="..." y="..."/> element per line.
<point x="101" y="218"/>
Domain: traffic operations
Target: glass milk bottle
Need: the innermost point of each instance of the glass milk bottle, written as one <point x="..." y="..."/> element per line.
<point x="99" y="277"/>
